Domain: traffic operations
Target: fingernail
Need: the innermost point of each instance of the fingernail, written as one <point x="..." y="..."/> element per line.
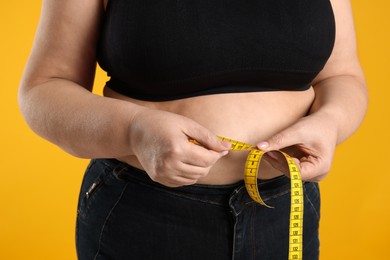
<point x="224" y="153"/>
<point x="263" y="145"/>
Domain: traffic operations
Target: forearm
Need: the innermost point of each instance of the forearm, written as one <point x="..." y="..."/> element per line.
<point x="344" y="99"/>
<point x="81" y="123"/>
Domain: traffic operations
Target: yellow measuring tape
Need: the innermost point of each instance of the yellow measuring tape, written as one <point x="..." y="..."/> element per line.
<point x="250" y="177"/>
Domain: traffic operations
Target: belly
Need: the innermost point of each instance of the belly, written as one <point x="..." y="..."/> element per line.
<point x="248" y="117"/>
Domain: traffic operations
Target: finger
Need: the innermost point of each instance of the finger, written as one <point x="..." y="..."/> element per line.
<point x="309" y="171"/>
<point x="175" y="181"/>
<point x="313" y="169"/>
<point x="191" y="172"/>
<point x="208" y="139"/>
<point x="181" y="174"/>
<point x="285" y="138"/>
<point x="297" y="151"/>
<point x="200" y="156"/>
<point x="179" y="183"/>
<point x="277" y="161"/>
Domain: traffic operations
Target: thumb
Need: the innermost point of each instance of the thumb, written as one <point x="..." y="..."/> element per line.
<point x="208" y="139"/>
<point x="285" y="138"/>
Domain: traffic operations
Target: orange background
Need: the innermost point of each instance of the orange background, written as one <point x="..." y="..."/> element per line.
<point x="39" y="183"/>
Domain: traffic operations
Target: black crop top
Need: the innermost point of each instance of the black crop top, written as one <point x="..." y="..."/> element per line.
<point x="160" y="50"/>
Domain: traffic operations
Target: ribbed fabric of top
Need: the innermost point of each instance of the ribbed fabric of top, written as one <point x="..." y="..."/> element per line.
<point x="161" y="50"/>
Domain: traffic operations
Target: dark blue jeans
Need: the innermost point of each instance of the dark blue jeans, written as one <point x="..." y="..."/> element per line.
<point x="123" y="214"/>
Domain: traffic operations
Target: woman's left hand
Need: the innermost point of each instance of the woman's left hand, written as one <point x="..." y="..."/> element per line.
<point x="311" y="141"/>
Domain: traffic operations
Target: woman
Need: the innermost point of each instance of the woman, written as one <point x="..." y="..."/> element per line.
<point x="282" y="75"/>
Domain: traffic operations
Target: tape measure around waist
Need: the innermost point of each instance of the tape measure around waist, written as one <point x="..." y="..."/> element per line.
<point x="250" y="177"/>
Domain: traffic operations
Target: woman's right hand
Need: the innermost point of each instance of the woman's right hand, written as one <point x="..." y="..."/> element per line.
<point x="160" y="141"/>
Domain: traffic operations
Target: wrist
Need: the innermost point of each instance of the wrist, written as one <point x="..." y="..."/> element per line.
<point x="329" y="122"/>
<point x="134" y="127"/>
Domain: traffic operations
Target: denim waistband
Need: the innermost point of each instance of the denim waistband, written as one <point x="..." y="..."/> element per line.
<point x="127" y="172"/>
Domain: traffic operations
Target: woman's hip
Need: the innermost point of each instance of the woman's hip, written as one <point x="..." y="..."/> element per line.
<point x="123" y="214"/>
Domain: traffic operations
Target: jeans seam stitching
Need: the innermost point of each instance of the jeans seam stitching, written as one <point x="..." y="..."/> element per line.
<point x="311" y="204"/>
<point x="279" y="194"/>
<point x="106" y="220"/>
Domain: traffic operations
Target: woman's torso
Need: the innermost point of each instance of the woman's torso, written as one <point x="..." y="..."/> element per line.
<point x="248" y="117"/>
<point x="261" y="68"/>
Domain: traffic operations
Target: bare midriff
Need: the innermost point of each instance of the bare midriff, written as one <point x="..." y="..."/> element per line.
<point x="247" y="117"/>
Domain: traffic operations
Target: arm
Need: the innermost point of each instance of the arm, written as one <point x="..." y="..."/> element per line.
<point x="54" y="93"/>
<point x="341" y="88"/>
<point x="56" y="101"/>
<point x="338" y="109"/>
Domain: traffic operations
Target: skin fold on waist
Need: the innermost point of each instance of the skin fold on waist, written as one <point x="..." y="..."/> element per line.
<point x="248" y="117"/>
